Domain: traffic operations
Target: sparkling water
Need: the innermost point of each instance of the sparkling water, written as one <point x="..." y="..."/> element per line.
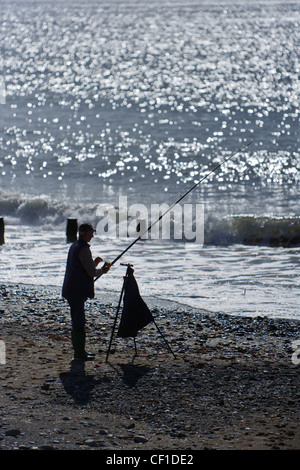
<point x="142" y="99"/>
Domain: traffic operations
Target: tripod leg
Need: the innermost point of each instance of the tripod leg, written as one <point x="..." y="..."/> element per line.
<point x="158" y="329"/>
<point x="135" y="348"/>
<point x="115" y="322"/>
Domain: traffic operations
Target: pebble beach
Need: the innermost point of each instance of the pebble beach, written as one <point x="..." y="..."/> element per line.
<point x="233" y="385"/>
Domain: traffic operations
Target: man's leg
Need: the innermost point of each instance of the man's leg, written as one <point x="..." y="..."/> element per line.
<point x="78" y="331"/>
<point x="77" y="313"/>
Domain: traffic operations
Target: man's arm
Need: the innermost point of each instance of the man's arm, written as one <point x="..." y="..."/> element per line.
<point x="88" y="264"/>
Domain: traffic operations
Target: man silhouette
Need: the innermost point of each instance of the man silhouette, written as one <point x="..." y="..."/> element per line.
<point x="78" y="286"/>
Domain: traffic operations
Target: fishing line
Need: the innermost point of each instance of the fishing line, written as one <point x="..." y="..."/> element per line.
<point x="177" y="202"/>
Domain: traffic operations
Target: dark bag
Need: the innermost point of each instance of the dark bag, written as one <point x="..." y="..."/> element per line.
<point x="135" y="314"/>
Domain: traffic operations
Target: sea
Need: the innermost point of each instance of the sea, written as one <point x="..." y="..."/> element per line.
<point x="137" y="101"/>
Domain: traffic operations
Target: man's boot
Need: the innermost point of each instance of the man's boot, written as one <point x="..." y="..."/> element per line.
<point x="78" y="341"/>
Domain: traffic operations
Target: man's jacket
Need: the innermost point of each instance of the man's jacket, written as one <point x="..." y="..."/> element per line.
<point x="80" y="272"/>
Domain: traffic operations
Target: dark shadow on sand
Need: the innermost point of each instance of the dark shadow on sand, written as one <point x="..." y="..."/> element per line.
<point x="132" y="373"/>
<point x="78" y="384"/>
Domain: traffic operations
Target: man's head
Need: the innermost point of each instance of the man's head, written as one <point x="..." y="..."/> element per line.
<point x="86" y="232"/>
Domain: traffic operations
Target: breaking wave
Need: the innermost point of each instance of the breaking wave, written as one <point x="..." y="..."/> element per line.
<point x="253" y="230"/>
<point x="218" y="230"/>
<point x="40" y="210"/>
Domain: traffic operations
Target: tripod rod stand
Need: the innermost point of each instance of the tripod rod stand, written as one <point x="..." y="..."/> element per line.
<point x="117" y="314"/>
<point x="118" y="309"/>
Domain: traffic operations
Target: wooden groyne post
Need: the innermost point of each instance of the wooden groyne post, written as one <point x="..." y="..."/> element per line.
<point x="2" y="228"/>
<point x="71" y="230"/>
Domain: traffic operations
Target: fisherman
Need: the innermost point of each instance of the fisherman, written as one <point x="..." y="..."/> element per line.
<point x="78" y="286"/>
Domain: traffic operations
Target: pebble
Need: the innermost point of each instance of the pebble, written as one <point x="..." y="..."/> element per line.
<point x="13" y="432"/>
<point x="93" y="443"/>
<point x="103" y="432"/>
<point x="140" y="439"/>
<point x="45" y="386"/>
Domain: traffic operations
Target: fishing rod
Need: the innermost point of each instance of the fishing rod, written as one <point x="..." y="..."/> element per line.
<point x="177" y="202"/>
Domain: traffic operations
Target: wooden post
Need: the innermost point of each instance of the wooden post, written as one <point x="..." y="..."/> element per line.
<point x="71" y="231"/>
<point x="1" y="231"/>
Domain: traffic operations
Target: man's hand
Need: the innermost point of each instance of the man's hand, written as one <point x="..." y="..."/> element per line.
<point x="106" y="267"/>
<point x="97" y="260"/>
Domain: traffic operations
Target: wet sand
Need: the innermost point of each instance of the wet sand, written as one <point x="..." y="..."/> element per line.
<point x="233" y="384"/>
